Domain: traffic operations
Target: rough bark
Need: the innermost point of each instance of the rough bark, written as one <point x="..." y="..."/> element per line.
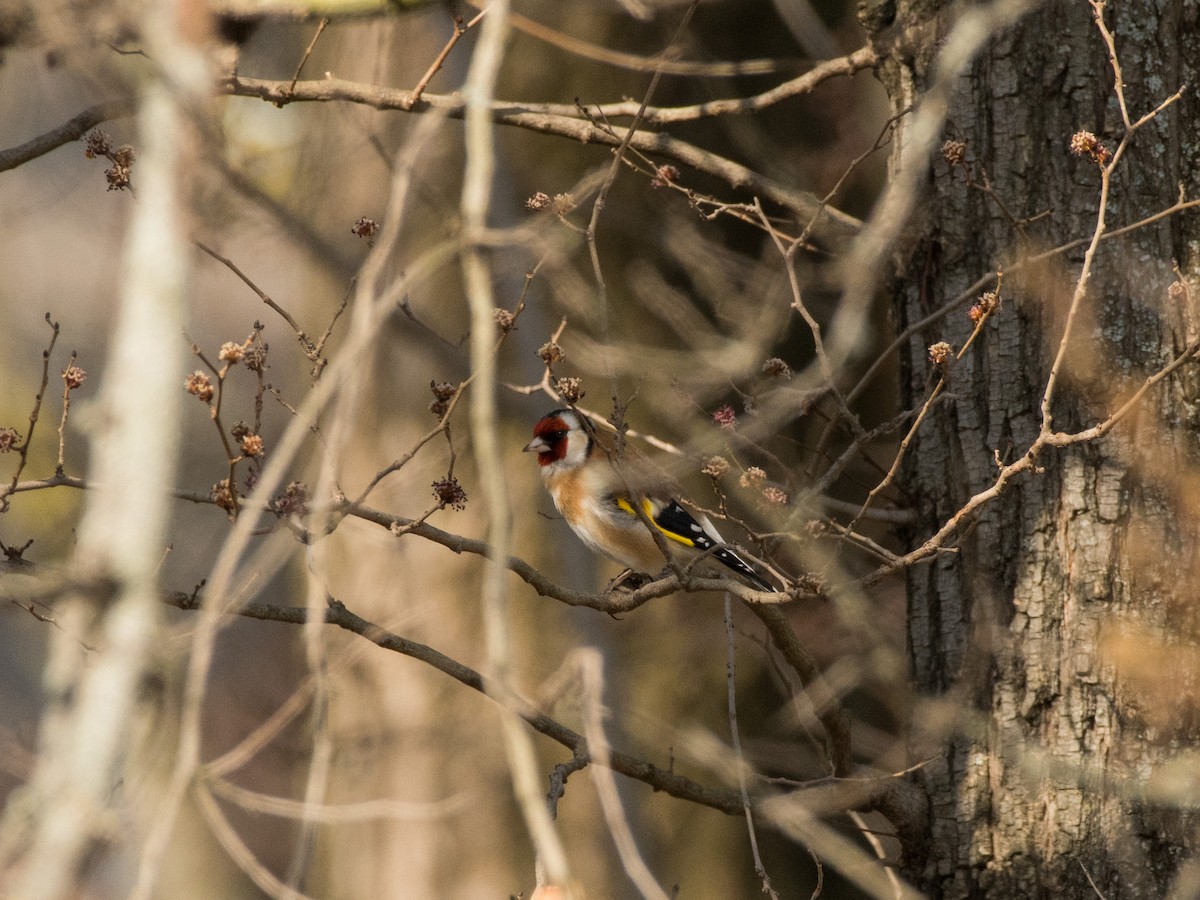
<point x="1035" y="632"/>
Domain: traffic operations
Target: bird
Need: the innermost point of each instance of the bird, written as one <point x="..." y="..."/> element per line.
<point x="596" y="490"/>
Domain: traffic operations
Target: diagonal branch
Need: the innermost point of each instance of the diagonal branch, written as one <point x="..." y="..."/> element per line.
<point x="71" y="130"/>
<point x="631" y="766"/>
<point x="832" y="228"/>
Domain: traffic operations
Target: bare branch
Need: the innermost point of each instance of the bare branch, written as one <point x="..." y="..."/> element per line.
<point x="834" y="227"/>
<point x="71" y="130"/>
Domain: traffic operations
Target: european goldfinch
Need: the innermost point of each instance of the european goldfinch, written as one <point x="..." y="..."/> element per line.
<point x="596" y="491"/>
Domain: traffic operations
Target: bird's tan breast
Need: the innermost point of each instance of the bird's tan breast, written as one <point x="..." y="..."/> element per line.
<point x="584" y="500"/>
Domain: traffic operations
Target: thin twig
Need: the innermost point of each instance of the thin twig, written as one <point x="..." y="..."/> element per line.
<point x="62" y="423"/>
<point x="833" y="230"/>
<point x="71" y="130"/>
<point x="305" y="342"/>
<point x="23" y="448"/>
<point x="636" y="63"/>
<point x="321" y="26"/>
<point x="926" y="407"/>
<point x="590" y="665"/>
<point x="658" y="777"/>
<point x="736" y="742"/>
<point x="598" y="208"/>
<point x="459" y="30"/>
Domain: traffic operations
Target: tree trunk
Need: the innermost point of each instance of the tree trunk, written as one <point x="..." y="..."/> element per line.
<point x="1057" y="640"/>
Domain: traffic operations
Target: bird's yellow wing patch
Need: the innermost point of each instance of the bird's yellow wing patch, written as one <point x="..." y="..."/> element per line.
<point x="648" y="508"/>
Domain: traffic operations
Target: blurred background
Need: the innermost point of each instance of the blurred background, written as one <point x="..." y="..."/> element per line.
<point x="698" y="302"/>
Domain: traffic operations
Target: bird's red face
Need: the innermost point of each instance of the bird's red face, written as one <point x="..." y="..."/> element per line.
<point x="549" y="439"/>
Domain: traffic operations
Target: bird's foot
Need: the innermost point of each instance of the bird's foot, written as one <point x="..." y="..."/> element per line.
<point x="628" y="580"/>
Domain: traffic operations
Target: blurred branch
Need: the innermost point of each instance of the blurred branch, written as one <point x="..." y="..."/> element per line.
<point x="71" y="130"/>
<point x="899" y="799"/>
<point x="459" y="30"/>
<point x="589" y="663"/>
<point x="295" y="227"/>
<point x="589" y="235"/>
<point x="335" y="813"/>
<point x="311" y="9"/>
<point x="862" y="58"/>
<point x="867" y="264"/>
<point x="829" y="712"/>
<point x="478" y="176"/>
<point x="833" y="227"/>
<point x="337" y="614"/>
<point x="91" y="719"/>
<point x="1047" y="436"/>
<point x="1028" y="463"/>
<point x="636" y="63"/>
<point x="253" y="10"/>
<point x="792" y="816"/>
<point x="735" y="742"/>
<point x="986" y="281"/>
<point x="241" y="854"/>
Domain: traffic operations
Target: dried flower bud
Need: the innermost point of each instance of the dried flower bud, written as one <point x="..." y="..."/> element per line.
<point x="563" y="204"/>
<point x="725" y="417"/>
<point x="774" y="496"/>
<point x="73" y="376"/>
<point x="752" y="477"/>
<point x="118" y="177"/>
<point x="1177" y="292"/>
<point x="504" y="319"/>
<point x="939" y="353"/>
<point x="570" y="389"/>
<point x="239" y="430"/>
<point x="224" y="495"/>
<point x="292" y="500"/>
<point x="231" y="352"/>
<point x="984" y="306"/>
<point x="815" y="528"/>
<point x="538" y="202"/>
<point x="776" y="368"/>
<point x="200" y="384"/>
<point x="664" y="175"/>
<point x="450" y="493"/>
<point x="252" y="445"/>
<point x="365" y="228"/>
<point x="97" y="143"/>
<point x="254" y="357"/>
<point x="1084" y="143"/>
<point x="551" y="353"/>
<point x="715" y="467"/>
<point x="9" y="438"/>
<point x="954" y="152"/>
<point x="442" y="392"/>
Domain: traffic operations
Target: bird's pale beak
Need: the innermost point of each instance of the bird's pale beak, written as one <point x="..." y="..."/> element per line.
<point x="537" y="445"/>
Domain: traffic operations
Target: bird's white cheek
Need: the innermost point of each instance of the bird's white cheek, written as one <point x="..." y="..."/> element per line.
<point x="577" y="447"/>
